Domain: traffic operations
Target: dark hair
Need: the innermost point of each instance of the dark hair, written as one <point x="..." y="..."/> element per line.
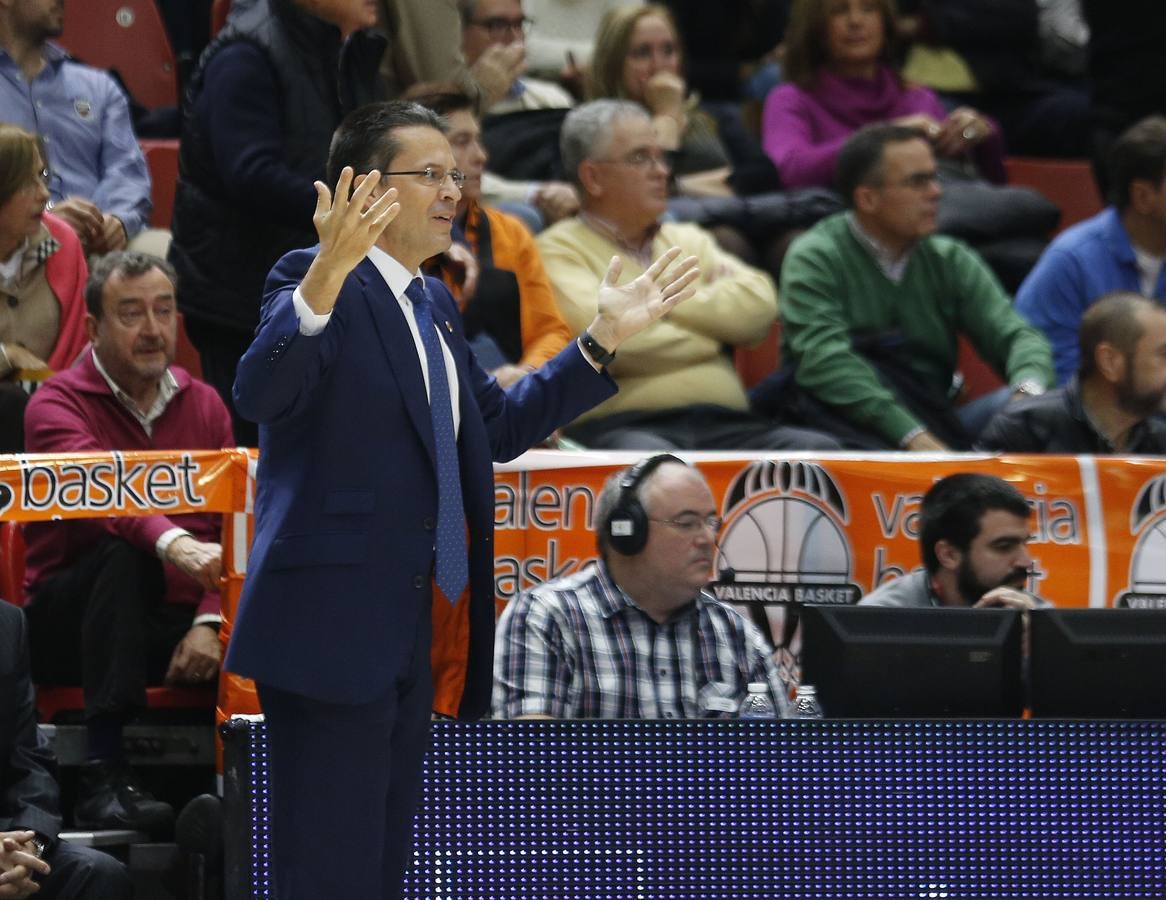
<point x="1112" y="319"/>
<point x="805" y="39"/>
<point x="860" y="161"/>
<point x="952" y="510"/>
<point x="127" y="264"/>
<point x="442" y="97"/>
<point x="1138" y="155"/>
<point x="367" y="140"/>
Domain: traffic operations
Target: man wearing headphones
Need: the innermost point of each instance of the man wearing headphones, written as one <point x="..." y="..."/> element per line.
<point x="635" y="635"/>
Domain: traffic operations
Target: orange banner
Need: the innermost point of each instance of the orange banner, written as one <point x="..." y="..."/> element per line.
<point x="823" y="529"/>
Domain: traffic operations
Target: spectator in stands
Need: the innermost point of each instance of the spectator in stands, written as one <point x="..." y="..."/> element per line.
<point x="840" y="76"/>
<point x="268" y="94"/>
<point x="973" y="535"/>
<point x="42" y="276"/>
<point x="117" y="603"/>
<point x="638" y="57"/>
<point x="34" y="861"/>
<point x="635" y="635"/>
<point x="511" y="318"/>
<point x="494" y="26"/>
<point x="1114" y="403"/>
<point x="1120" y="248"/>
<point x="502" y="23"/>
<point x="873" y="302"/>
<point x="98" y="179"/>
<point x="425" y="47"/>
<point x="678" y="388"/>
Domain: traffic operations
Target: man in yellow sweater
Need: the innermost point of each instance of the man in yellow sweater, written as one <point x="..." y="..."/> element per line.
<point x="677" y="385"/>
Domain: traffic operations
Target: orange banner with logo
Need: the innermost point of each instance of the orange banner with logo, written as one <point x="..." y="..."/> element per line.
<point x="823" y="529"/>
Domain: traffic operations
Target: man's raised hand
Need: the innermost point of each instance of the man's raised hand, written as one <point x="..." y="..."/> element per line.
<point x="629" y="309"/>
<point x="348" y="228"/>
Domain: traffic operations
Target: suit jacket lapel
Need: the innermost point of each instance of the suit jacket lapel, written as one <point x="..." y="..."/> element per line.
<point x="399" y="348"/>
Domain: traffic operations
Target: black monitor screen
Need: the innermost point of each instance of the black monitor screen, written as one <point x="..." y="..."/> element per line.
<point x="1098" y="663"/>
<point x="875" y="661"/>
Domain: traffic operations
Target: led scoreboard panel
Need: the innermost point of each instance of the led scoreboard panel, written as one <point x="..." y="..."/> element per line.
<point x="702" y="810"/>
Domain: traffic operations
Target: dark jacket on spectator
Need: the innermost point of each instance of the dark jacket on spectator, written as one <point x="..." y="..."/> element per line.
<point x="1055" y="422"/>
<point x="261" y="110"/>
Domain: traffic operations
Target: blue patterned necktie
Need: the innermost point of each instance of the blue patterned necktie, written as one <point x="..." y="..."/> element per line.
<point x="452" y="565"/>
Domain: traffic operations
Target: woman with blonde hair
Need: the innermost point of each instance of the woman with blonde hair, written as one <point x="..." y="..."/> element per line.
<point x="42" y="279"/>
<point x="638" y="56"/>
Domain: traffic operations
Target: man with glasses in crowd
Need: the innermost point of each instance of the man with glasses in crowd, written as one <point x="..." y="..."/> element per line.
<point x="679" y="390"/>
<point x="492" y="27"/>
<point x="635" y="635"/>
<point x="874" y="301"/>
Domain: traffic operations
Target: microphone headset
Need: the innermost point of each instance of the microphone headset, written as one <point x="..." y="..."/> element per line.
<point x="626" y="526"/>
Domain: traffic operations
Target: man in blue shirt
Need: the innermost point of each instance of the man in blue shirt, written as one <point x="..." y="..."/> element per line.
<point x="1119" y="249"/>
<point x="98" y="177"/>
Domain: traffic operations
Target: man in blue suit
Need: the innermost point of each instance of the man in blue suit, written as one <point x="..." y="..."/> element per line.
<point x="375" y="501"/>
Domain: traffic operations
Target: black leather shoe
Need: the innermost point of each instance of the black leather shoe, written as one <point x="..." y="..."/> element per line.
<point x="109" y="796"/>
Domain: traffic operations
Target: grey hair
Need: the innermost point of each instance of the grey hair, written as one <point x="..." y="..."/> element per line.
<point x="127" y="264"/>
<point x="587" y="128"/>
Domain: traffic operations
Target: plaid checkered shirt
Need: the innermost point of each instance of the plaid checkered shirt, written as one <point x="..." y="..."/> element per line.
<point x="579" y="647"/>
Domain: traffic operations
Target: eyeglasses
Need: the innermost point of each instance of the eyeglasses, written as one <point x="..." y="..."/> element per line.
<point x="691" y="524"/>
<point x="641" y="159"/>
<point x="434" y="176"/>
<point x="500" y="28"/>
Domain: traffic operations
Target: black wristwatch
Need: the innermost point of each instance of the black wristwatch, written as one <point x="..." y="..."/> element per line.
<point x="600" y="354"/>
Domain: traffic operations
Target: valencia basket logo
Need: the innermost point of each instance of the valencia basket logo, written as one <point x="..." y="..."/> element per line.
<point x="1147" y="588"/>
<point x="784" y="538"/>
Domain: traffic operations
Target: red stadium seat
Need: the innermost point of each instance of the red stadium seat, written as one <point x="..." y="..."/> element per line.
<point x="12" y="563"/>
<point x="130" y="37"/>
<point x="755" y="363"/>
<point x="1069" y="183"/>
<point x="162" y="159"/>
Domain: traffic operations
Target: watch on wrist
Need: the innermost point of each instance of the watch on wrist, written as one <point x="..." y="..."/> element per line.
<point x="1031" y="387"/>
<point x="600" y="354"/>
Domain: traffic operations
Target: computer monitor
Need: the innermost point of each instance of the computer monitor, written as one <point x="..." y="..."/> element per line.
<point x="914" y="663"/>
<point x="1098" y="663"/>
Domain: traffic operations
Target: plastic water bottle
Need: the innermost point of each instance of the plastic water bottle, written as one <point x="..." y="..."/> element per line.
<point x="757" y="703"/>
<point x="806" y="705"/>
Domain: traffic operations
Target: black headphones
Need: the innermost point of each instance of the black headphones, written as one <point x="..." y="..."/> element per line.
<point x="626" y="526"/>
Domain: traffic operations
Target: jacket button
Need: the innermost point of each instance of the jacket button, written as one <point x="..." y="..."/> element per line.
<point x="430" y="523"/>
<point x="418" y="582"/>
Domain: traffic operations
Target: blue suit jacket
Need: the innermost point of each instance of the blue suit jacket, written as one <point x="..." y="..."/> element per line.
<point x="346" y="498"/>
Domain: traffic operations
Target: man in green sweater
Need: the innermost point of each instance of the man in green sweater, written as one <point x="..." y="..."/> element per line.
<point x="873" y="302"/>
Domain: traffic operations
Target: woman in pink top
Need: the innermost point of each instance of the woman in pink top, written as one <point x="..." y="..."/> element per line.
<point x="838" y="62"/>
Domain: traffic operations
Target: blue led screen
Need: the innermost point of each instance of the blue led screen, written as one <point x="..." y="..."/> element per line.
<point x="697" y="809"/>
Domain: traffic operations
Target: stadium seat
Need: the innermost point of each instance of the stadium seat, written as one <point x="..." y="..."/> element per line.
<point x="755" y="363"/>
<point x="12" y="563"/>
<point x="128" y="37"/>
<point x="1068" y="183"/>
<point x="53" y="700"/>
<point x="162" y="160"/>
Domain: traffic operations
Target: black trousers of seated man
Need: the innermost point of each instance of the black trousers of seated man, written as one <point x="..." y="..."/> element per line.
<point x="104" y="624"/>
<point x="82" y="873"/>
